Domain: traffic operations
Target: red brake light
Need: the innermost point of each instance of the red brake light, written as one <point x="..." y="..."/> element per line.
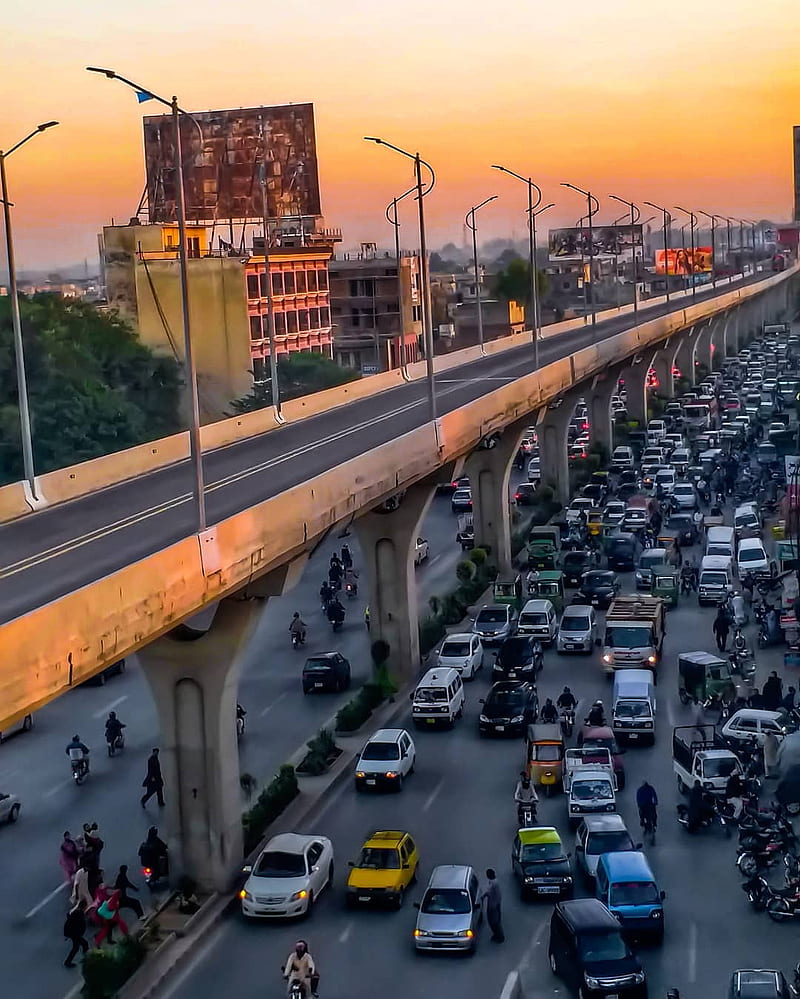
<point x="147" y="871"/>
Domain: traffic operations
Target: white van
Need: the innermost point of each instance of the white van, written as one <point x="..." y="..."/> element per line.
<point x="746" y="521"/>
<point x="716" y="579"/>
<point x="439" y="698"/>
<point x="720" y="540"/>
<point x="633" y="712"/>
<point x="538" y="618"/>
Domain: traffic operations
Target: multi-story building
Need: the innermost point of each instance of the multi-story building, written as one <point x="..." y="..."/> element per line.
<point x="376" y="311"/>
<point x="227" y="301"/>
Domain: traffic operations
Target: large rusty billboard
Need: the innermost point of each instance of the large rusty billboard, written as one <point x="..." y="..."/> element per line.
<point x="225" y="155"/>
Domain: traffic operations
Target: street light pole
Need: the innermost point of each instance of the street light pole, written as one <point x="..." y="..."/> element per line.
<point x="667" y="222"/>
<point x="195" y="444"/>
<point x="469" y="221"/>
<point x="591" y="210"/>
<point x="394" y="222"/>
<point x="422" y="192"/>
<point x="635" y="216"/>
<point x="614" y="224"/>
<point x="26" y="433"/>
<point x="691" y="267"/>
<point x="729" y="240"/>
<point x="538" y="313"/>
<point x="713" y="245"/>
<point x="532" y="205"/>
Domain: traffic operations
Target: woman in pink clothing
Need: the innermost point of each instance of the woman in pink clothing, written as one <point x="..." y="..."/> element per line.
<point x="68" y="857"/>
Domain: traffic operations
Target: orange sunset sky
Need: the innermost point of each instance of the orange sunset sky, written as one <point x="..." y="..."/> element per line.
<point x="687" y="101"/>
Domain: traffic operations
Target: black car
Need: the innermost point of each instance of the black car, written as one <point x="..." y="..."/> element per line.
<point x="99" y="679"/>
<point x="595" y="492"/>
<point x="518" y="658"/>
<point x="681" y="526"/>
<point x="525" y="494"/>
<point x="328" y="672"/>
<point x="542" y="867"/>
<point x="508" y="708"/>
<point x="598" y="587"/>
<point x="575" y="564"/>
<point x="622" y="551"/>
<point x="587" y="950"/>
<point x="758" y="983"/>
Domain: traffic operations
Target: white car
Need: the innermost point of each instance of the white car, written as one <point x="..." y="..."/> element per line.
<point x="421" y="551"/>
<point x="614" y="511"/>
<point x="665" y="481"/>
<point x="580" y="503"/>
<point x="462" y="652"/>
<point x="9" y="807"/>
<point x="622" y="458"/>
<point x="656" y="429"/>
<point x="386" y="760"/>
<point x="752" y="557"/>
<point x="684" y="496"/>
<point x="535" y="470"/>
<point x="746" y="723"/>
<point x="290" y="874"/>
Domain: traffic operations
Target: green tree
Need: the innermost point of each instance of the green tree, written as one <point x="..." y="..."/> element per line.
<point x="514" y="283"/>
<point x="298" y="375"/>
<point x="93" y="387"/>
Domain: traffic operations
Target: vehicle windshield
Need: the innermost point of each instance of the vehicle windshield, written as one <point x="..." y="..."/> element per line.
<point x="575" y="559"/>
<point x="505" y="698"/>
<point x="713" y="579"/>
<point x="693" y="412"/>
<point x="649" y="559"/>
<point x="277" y="864"/>
<point x="597" y="947"/>
<point x="533" y="618"/>
<point x="548" y="754"/>
<point x="632" y="709"/>
<point x="723" y="550"/>
<point x="491" y="616"/>
<point x="456" y="650"/>
<point x="598" y="579"/>
<point x="537" y="852"/>
<point x="430" y="695"/>
<point x="634" y="893"/>
<point x="628" y="638"/>
<point x="575" y="622"/>
<point x="381" y="751"/>
<point x="379" y="859"/>
<point x="446" y="902"/>
<point x="589" y="790"/>
<point x="752" y="555"/>
<point x="746" y="520"/>
<point x="720" y="766"/>
<point x="613" y="841"/>
<point x="318" y="665"/>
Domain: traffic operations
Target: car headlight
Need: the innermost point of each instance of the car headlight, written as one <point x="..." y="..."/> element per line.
<point x="638" y="977"/>
<point x="467" y="933"/>
<point x="657" y="913"/>
<point x="245" y="896"/>
<point x="517" y="718"/>
<point x="647" y="724"/>
<point x="483" y="719"/>
<point x="607" y="658"/>
<point x="390" y="773"/>
<point x="591" y="982"/>
<point x="574" y="808"/>
<point x="610" y="807"/>
<point x="299" y="895"/>
<point x="528" y="880"/>
<point x="651" y="659"/>
<point x="360" y="774"/>
<point x="567" y="879"/>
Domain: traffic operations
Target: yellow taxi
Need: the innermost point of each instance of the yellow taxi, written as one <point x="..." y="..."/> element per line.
<point x="386" y="867"/>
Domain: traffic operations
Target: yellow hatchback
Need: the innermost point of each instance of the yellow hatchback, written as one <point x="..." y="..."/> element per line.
<point x="386" y="867"/>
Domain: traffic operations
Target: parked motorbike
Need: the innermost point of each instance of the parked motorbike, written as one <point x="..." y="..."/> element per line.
<point x="713" y="815"/>
<point x="750" y="862"/>
<point x="784" y="903"/>
<point x="758" y="891"/>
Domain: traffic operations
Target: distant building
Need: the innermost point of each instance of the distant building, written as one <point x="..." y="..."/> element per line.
<point x="227" y="301"/>
<point x="499" y="319"/>
<point x="376" y="314"/>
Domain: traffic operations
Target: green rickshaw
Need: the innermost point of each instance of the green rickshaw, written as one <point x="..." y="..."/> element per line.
<point x="549" y="585"/>
<point x="665" y="585"/>
<point x="542" y="554"/>
<point x="705" y="679"/>
<point x="507" y="591"/>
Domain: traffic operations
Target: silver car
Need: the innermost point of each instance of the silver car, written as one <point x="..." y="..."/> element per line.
<point x="495" y="623"/>
<point x="449" y="913"/>
<point x="9" y="807"/>
<point x="599" y="834"/>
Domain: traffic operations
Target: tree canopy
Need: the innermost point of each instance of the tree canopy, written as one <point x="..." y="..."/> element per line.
<point x="93" y="387"/>
<point x="514" y="283"/>
<point x="298" y="374"/>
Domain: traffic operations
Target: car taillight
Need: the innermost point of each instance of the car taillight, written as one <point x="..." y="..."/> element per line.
<point x="147" y="871"/>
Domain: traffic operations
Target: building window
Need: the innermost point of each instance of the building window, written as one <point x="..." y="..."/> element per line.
<point x="311" y="277"/>
<point x="259" y="369"/>
<point x="256" y="331"/>
<point x="277" y="283"/>
<point x="322" y="280"/>
<point x="314" y="318"/>
<point x="355" y="318"/>
<point x="288" y="282"/>
<point x="252" y="285"/>
<point x="280" y="324"/>
<point x="262" y="285"/>
<point x="303" y="319"/>
<point x="291" y="322"/>
<point x="300" y="279"/>
<point x="416" y="313"/>
<point x="193" y="247"/>
<point x="324" y="317"/>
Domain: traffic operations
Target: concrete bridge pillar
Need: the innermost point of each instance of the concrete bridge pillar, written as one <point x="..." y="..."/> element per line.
<point x="719" y="341"/>
<point x="598" y="402"/>
<point x="489" y="468"/>
<point x="685" y="354"/>
<point x="551" y="432"/>
<point x="662" y="365"/>
<point x="193" y="672"/>
<point x="387" y="536"/>
<point x="702" y="351"/>
<point x="635" y="377"/>
<point x="728" y="339"/>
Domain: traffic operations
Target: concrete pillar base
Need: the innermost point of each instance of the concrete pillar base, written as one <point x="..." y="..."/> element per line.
<point x="662" y="364"/>
<point x="598" y="402"/>
<point x="635" y="378"/>
<point x="193" y="673"/>
<point x="551" y="432"/>
<point x="685" y="355"/>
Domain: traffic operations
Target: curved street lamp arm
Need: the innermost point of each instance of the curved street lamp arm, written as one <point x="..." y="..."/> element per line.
<point x="525" y="180"/>
<point x="471" y="212"/>
<point x="395" y="202"/>
<point x="408" y="155"/>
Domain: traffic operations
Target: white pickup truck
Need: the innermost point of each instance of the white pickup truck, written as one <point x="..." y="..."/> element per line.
<point x="699" y="753"/>
<point x="589" y="783"/>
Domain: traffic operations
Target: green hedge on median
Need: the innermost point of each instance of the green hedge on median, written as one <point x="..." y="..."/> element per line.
<point x="353" y="714"/>
<point x="280" y="791"/>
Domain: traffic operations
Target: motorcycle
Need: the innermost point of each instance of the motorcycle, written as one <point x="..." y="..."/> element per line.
<point x="157" y="873"/>
<point x="567" y="721"/>
<point x="336" y="619"/>
<point x="240" y="722"/>
<point x="298" y="639"/>
<point x="116" y="745"/>
<point x="784" y="903"/>
<point x="80" y="769"/>
<point x="352" y="590"/>
<point x="526" y="814"/>
<point x="750" y="862"/>
<point x="758" y="891"/>
<point x="712" y="815"/>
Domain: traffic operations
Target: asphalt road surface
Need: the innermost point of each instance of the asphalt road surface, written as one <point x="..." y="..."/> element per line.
<point x="56" y="551"/>
<point x="279" y="720"/>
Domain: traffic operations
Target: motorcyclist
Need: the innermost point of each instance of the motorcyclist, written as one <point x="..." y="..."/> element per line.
<point x="351" y="579"/>
<point x="153" y="854"/>
<point x="597" y="715"/>
<point x="647" y="803"/>
<point x="734" y="794"/>
<point x="335" y="611"/>
<point x="114" y="728"/>
<point x="549" y="712"/>
<point x="525" y="794"/>
<point x="78" y="752"/>
<point x="335" y="573"/>
<point x="298" y="627"/>
<point x="300" y="968"/>
<point x="347" y="557"/>
<point x="566" y="700"/>
<point x="699" y="808"/>
<point x="325" y="594"/>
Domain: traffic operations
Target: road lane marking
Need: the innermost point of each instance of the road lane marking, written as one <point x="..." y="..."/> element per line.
<point x="48" y="898"/>
<point x="435" y="559"/>
<point x="57" y="788"/>
<point x="110" y="707"/>
<point x="433" y="795"/>
<point x="693" y="952"/>
<point x="344" y="936"/>
<point x="511" y="987"/>
<point x="274" y="704"/>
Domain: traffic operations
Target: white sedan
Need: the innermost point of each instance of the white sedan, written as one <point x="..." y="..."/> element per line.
<point x="9" y="807"/>
<point x="290" y="874"/>
<point x="462" y="652"/>
<point x="421" y="551"/>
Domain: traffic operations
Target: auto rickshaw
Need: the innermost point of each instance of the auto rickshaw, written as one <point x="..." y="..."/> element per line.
<point x="507" y="591"/>
<point x="543" y="547"/>
<point x="545" y="756"/>
<point x="665" y="585"/>
<point x="550" y="586"/>
<point x="705" y="678"/>
<point x="594" y="524"/>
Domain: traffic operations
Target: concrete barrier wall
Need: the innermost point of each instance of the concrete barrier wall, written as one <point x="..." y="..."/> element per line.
<point x="59" y="645"/>
<point x="12" y="502"/>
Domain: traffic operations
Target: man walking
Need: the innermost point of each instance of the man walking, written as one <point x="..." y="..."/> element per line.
<point x="491" y="895"/>
<point x="123" y="885"/>
<point x="75" y="932"/>
<point x="721" y="628"/>
<point x="153" y="782"/>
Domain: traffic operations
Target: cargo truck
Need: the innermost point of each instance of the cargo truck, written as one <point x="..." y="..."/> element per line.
<point x="635" y="626"/>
